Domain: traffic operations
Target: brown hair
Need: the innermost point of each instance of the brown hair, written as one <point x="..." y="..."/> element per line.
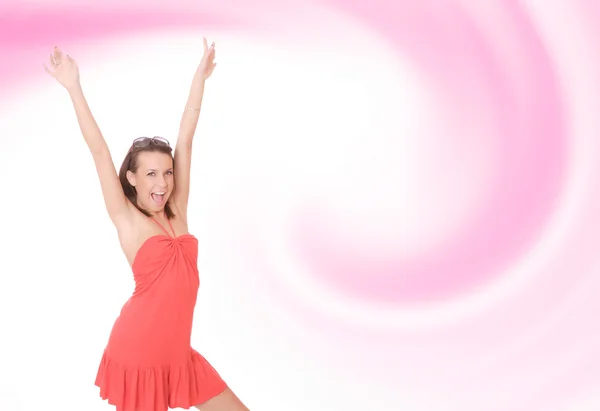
<point x="130" y="163"/>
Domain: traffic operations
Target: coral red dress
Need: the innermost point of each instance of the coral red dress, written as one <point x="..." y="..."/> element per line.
<point x="148" y="363"/>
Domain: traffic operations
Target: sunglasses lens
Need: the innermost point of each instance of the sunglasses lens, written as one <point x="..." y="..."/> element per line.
<point x="141" y="142"/>
<point x="160" y="141"/>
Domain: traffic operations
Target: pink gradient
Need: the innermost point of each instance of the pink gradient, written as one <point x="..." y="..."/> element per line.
<point x="31" y="29"/>
<point x="472" y="84"/>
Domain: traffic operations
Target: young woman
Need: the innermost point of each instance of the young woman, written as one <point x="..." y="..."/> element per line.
<point x="148" y="363"/>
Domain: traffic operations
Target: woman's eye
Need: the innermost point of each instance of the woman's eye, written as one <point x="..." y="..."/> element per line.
<point x="170" y="172"/>
<point x="150" y="173"/>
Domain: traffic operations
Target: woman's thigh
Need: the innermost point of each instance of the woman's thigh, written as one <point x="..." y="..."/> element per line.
<point x="225" y="401"/>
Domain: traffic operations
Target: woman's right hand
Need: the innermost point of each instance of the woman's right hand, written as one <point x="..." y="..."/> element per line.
<point x="65" y="68"/>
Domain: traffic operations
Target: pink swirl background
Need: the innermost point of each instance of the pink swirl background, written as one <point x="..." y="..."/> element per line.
<point x="454" y="267"/>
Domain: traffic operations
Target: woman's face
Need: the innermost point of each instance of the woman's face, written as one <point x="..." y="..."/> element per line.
<point x="153" y="180"/>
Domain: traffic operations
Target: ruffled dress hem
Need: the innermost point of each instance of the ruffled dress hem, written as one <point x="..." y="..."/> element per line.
<point x="158" y="388"/>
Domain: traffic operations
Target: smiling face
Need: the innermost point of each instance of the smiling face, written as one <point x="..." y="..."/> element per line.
<point x="153" y="180"/>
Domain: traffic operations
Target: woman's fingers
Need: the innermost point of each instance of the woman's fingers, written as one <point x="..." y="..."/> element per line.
<point x="53" y="62"/>
<point x="48" y="70"/>
<point x="57" y="58"/>
<point x="210" y="55"/>
<point x="58" y="55"/>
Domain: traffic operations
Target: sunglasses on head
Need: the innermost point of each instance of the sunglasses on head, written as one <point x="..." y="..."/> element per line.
<point x="146" y="141"/>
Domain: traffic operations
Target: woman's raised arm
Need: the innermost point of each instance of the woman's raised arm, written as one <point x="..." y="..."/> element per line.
<point x="187" y="128"/>
<point x="65" y="71"/>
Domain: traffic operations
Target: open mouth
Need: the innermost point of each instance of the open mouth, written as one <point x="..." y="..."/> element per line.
<point x="158" y="197"/>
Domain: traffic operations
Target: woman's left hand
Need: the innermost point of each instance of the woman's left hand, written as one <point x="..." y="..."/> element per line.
<point x="207" y="64"/>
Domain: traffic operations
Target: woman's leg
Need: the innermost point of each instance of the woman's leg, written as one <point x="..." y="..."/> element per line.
<point x="226" y="401"/>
